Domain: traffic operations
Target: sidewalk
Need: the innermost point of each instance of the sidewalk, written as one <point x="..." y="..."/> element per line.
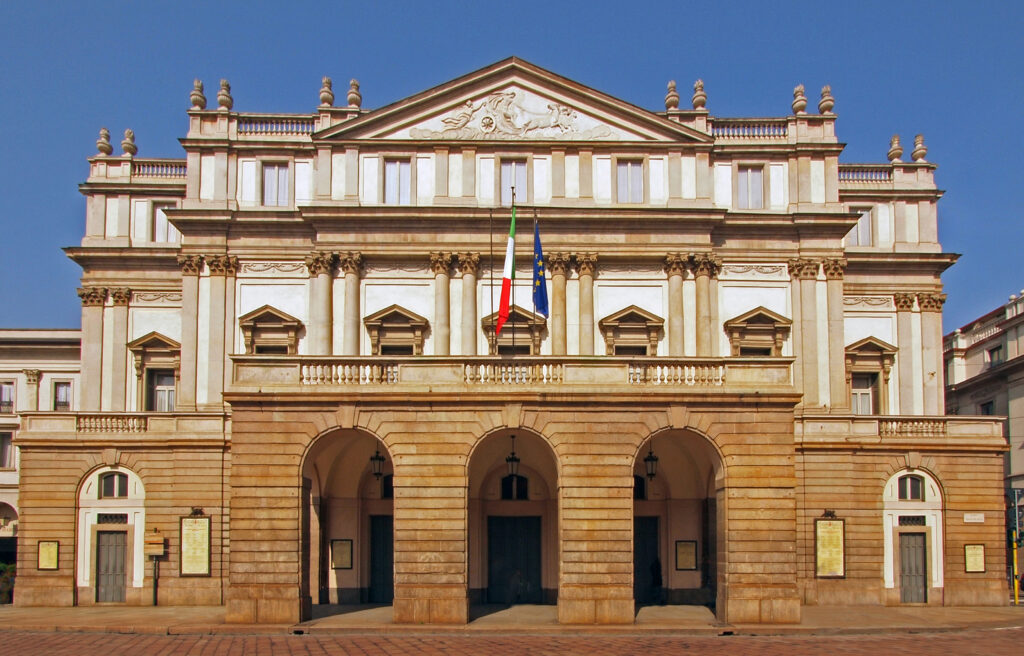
<point x="662" y="620"/>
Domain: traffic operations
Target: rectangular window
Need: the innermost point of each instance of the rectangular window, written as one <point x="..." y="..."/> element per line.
<point x="994" y="356"/>
<point x="7" y="397"/>
<point x="863" y="399"/>
<point x="275" y="185"/>
<point x="751" y="188"/>
<point x="162" y="230"/>
<point x="630" y="181"/>
<point x="6" y="451"/>
<point x="160" y="390"/>
<point x="62" y="396"/>
<point x="987" y="408"/>
<point x="397" y="182"/>
<point x="861" y="234"/>
<point x="513" y="174"/>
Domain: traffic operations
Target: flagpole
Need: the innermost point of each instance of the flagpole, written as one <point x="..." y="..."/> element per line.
<point x="490" y="232"/>
<point x="512" y="294"/>
<point x="535" y="266"/>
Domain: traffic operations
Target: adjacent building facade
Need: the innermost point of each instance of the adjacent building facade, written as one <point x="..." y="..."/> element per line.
<point x="293" y="394"/>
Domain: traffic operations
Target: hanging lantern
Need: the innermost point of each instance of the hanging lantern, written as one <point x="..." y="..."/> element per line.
<point x="377" y="463"/>
<point x="651" y="462"/>
<point x="513" y="460"/>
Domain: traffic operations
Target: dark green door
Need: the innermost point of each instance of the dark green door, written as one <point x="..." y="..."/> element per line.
<point x="110" y="557"/>
<point x="382" y="559"/>
<point x="513" y="560"/>
<point x="913" y="570"/>
<point x="647" y="574"/>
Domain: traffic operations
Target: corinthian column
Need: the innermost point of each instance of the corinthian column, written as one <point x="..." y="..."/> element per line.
<point x="834" y="268"/>
<point x="191" y="265"/>
<point x="905" y="359"/>
<point x="440" y="264"/>
<point x="806" y="271"/>
<point x="223" y="269"/>
<point x="321" y="276"/>
<point x="351" y="265"/>
<point x="675" y="267"/>
<point x="931" y="351"/>
<point x="93" y="299"/>
<point x="32" y="381"/>
<point x="469" y="266"/>
<point x="704" y="266"/>
<point x="119" y="362"/>
<point x="558" y="265"/>
<point x="586" y="264"/>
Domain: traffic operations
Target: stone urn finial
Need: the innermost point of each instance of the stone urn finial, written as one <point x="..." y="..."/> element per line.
<point x="326" y="93"/>
<point x="224" y="98"/>
<point x="672" y="97"/>
<point x="128" y="143"/>
<point x="103" y="143"/>
<point x="699" y="97"/>
<point x="799" y="100"/>
<point x="920" y="150"/>
<point x="196" y="97"/>
<point x="355" y="99"/>
<point x="827" y="102"/>
<point x="895" y="149"/>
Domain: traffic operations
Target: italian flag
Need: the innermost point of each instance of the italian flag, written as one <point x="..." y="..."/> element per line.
<point x="508" y="275"/>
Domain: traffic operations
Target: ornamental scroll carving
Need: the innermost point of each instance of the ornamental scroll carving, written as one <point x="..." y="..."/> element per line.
<point x="754" y="270"/>
<point x="269" y="267"/>
<point x="868" y="301"/>
<point x="321" y="263"/>
<point x="92" y="296"/>
<point x="156" y="298"/>
<point x="803" y="269"/>
<point x="504" y="115"/>
<point x="222" y="265"/>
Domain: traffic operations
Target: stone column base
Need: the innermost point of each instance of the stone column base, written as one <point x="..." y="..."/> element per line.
<point x="430" y="605"/>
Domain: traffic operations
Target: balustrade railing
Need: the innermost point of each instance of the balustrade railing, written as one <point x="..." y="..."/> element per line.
<point x="745" y="128"/>
<point x="158" y="168"/>
<point x="912" y="427"/>
<point x="865" y="173"/>
<point x="111" y="423"/>
<point x="275" y="125"/>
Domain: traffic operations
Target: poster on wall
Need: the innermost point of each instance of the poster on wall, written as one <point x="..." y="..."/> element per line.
<point x="686" y="554"/>
<point x="829" y="548"/>
<point x="974" y="558"/>
<point x="195" y="546"/>
<point x="341" y="554"/>
<point x="49" y="551"/>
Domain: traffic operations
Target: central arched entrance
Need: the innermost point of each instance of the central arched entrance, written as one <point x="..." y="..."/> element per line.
<point x="347" y="523"/>
<point x="677" y="485"/>
<point x="513" y="520"/>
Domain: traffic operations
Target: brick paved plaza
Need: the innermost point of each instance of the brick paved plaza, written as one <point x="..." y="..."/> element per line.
<point x="991" y="642"/>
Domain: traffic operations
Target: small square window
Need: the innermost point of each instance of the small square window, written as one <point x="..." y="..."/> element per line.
<point x="161" y="228"/>
<point x="630" y="181"/>
<point x="861" y="234"/>
<point x="62" y="396"/>
<point x="513" y="174"/>
<point x="275" y="185"/>
<point x="6" y="450"/>
<point x="7" y="397"/>
<point x="751" y="188"/>
<point x="397" y="182"/>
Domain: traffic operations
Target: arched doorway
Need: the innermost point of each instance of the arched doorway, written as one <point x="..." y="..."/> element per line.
<point x="8" y="534"/>
<point x="677" y="487"/>
<point x="513" y="520"/>
<point x="347" y="523"/>
<point x="912" y="538"/>
<point x="111" y="523"/>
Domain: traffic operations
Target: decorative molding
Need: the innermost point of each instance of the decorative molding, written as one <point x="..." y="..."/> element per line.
<point x="469" y="263"/>
<point x="222" y="265"/>
<point x="931" y="302"/>
<point x="754" y="271"/>
<point x="320" y="262"/>
<point x="441" y="263"/>
<point x="904" y="302"/>
<point x="190" y="265"/>
<point x="270" y="267"/>
<point x="803" y="269"/>
<point x="92" y="296"/>
<point x="881" y="302"/>
<point x="351" y="262"/>
<point x="833" y="268"/>
<point x="586" y="263"/>
<point x="559" y="264"/>
<point x="156" y="298"/>
<point x="675" y="265"/>
<point x="120" y="296"/>
<point x="704" y="264"/>
<point x="384" y="267"/>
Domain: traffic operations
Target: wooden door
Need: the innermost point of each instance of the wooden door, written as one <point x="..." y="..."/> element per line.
<point x="913" y="569"/>
<point x="110" y="565"/>
<point x="382" y="559"/>
<point x="647" y="573"/>
<point x="513" y="560"/>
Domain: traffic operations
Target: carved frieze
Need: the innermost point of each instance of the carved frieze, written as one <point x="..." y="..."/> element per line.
<point x="870" y="302"/>
<point x="754" y="271"/>
<point x="321" y="262"/>
<point x="803" y="269"/>
<point x="92" y="296"/>
<point x="272" y="267"/>
<point x="190" y="265"/>
<point x="904" y="302"/>
<point x="156" y="298"/>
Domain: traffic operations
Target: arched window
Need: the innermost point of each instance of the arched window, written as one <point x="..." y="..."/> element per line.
<point x="514" y="488"/>
<point x="113" y="485"/>
<point x="911" y="488"/>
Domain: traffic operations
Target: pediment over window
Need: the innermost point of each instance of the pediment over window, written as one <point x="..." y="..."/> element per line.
<point x="757" y="332"/>
<point x="631" y="331"/>
<point x="871" y="347"/>
<point x="267" y="330"/>
<point x="396" y="331"/>
<point x="154" y="350"/>
<point x="869" y="363"/>
<point x="521" y="334"/>
<point x="513" y="100"/>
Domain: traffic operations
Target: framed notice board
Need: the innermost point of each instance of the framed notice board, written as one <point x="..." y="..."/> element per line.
<point x="195" y="546"/>
<point x="829" y="548"/>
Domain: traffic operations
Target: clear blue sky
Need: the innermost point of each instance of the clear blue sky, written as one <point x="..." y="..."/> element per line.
<point x="949" y="71"/>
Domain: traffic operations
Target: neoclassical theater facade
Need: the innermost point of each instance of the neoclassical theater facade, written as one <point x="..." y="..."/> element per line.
<point x="292" y="392"/>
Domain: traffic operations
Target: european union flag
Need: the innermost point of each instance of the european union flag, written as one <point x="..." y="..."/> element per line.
<point x="540" y="282"/>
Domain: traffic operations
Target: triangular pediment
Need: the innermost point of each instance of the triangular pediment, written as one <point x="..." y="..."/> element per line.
<point x="516" y="316"/>
<point x="153" y="341"/>
<point x="395" y="315"/>
<point x="512" y="100"/>
<point x="759" y="316"/>
<point x="268" y="315"/>
<point x="871" y="345"/>
<point x="631" y="315"/>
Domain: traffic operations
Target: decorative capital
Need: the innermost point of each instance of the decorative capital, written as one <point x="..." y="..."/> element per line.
<point x="834" y="268"/>
<point x="803" y="269"/>
<point x="103" y="143"/>
<point x="197" y="98"/>
<point x="326" y="93"/>
<point x="128" y="143"/>
<point x="222" y="265"/>
<point x="895" y="149"/>
<point x="92" y="296"/>
<point x="675" y="264"/>
<point x="920" y="150"/>
<point x="586" y="263"/>
<point x="903" y="302"/>
<point x="440" y="263"/>
<point x="351" y="262"/>
<point x="799" y="100"/>
<point x="355" y="99"/>
<point x="704" y="264"/>
<point x="558" y="263"/>
<point x="827" y="102"/>
<point x="190" y="265"/>
<point x="469" y="263"/>
<point x="320" y="262"/>
<point x="224" y="98"/>
<point x="31" y="376"/>
<point x="120" y="296"/>
<point x="700" y="98"/>
<point x="672" y="97"/>
<point x="931" y="302"/>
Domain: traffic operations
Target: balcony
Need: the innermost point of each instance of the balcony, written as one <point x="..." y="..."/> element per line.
<point x="150" y="428"/>
<point x="900" y="431"/>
